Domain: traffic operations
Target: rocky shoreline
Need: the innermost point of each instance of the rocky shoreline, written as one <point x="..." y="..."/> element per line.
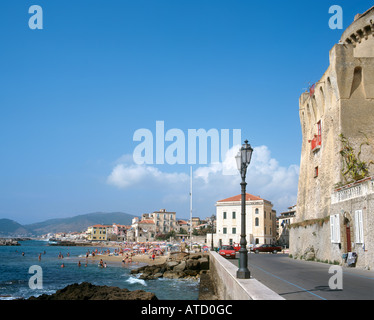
<point x="178" y="266"/>
<point x="9" y="242"/>
<point x="88" y="291"/>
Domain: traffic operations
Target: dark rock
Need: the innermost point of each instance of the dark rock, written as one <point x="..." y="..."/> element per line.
<point x="193" y="264"/>
<point x="207" y="289"/>
<point x="88" y="291"/>
<point x="181" y="266"/>
<point x="204" y="264"/>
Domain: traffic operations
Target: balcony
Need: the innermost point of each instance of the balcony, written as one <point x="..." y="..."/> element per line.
<point x="354" y="190"/>
<point x="316" y="142"/>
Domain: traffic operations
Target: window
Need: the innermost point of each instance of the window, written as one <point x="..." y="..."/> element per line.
<point x="256" y="211"/>
<point x="225" y="215"/>
<point x="230" y="242"/>
<point x="335" y="228"/>
<point x="359" y="227"/>
<point x="264" y="214"/>
<point x="234" y="215"/>
<point x="315" y="172"/>
<point x="224" y="230"/>
<point x="256" y="222"/>
<point x="233" y="230"/>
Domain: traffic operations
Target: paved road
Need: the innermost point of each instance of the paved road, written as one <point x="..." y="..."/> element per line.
<point x="306" y="280"/>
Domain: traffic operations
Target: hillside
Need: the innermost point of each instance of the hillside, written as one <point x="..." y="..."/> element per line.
<point x="10" y="227"/>
<point x="71" y="224"/>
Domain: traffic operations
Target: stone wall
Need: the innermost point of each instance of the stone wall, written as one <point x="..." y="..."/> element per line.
<point x="341" y="102"/>
<point x="313" y="242"/>
<point x="228" y="287"/>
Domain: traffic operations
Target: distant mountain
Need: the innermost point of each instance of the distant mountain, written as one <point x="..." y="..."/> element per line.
<point x="72" y="224"/>
<point x="10" y="228"/>
<point x="79" y="223"/>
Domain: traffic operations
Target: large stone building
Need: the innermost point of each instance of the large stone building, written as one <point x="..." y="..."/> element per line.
<point x="284" y="221"/>
<point x="337" y="123"/>
<point x="260" y="221"/>
<point x="97" y="232"/>
<point x="165" y="221"/>
<point x="143" y="230"/>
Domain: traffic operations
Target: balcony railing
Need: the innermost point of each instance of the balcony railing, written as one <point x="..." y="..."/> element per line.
<point x="316" y="142"/>
<point x="357" y="189"/>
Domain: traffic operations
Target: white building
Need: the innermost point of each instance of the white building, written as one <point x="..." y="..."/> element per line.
<point x="260" y="221"/>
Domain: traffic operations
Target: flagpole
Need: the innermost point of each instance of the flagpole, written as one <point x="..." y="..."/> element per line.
<point x="190" y="208"/>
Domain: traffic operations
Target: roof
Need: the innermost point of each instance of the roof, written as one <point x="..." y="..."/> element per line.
<point x="149" y="221"/>
<point x="249" y="197"/>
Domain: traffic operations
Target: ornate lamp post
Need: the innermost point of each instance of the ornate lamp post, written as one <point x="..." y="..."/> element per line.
<point x="243" y="159"/>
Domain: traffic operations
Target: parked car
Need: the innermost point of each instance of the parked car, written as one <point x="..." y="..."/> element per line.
<point x="266" y="248"/>
<point x="238" y="246"/>
<point x="227" y="252"/>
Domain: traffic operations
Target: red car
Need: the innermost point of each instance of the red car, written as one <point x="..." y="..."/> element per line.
<point x="266" y="248"/>
<point x="237" y="247"/>
<point x="227" y="252"/>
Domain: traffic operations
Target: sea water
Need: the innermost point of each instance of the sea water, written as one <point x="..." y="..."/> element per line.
<point x="15" y="262"/>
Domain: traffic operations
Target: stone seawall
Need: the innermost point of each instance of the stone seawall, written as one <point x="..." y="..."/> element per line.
<point x="178" y="266"/>
<point x="229" y="287"/>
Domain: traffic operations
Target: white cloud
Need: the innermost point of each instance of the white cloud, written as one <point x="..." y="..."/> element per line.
<point x="125" y="176"/>
<point x="265" y="178"/>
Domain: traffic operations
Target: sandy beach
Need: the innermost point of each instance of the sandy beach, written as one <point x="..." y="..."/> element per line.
<point x="136" y="259"/>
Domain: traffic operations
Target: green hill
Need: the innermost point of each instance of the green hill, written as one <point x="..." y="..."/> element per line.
<point x="10" y="227"/>
<point x="72" y="224"/>
<point x="79" y="223"/>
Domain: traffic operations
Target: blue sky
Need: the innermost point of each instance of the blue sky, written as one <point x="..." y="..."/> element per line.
<point x="73" y="94"/>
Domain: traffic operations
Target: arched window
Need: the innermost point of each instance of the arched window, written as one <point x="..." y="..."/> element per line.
<point x="256" y="211"/>
<point x="256" y="222"/>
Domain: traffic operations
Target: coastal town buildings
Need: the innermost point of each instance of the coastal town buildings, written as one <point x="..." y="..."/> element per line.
<point x="165" y="221"/>
<point x="284" y="220"/>
<point x="260" y="221"/>
<point x="149" y="227"/>
<point x="97" y="232"/>
<point x="335" y="204"/>
<point x="120" y="231"/>
<point x="142" y="230"/>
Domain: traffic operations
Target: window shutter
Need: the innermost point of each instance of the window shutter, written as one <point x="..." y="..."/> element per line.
<point x="359" y="227"/>
<point x="332" y="228"/>
<point x="337" y="229"/>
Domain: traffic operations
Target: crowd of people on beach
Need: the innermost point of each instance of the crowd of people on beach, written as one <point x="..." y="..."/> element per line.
<point x="126" y="250"/>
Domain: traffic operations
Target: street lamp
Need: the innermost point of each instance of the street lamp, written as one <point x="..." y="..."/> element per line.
<point x="243" y="159"/>
<point x="212" y="245"/>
